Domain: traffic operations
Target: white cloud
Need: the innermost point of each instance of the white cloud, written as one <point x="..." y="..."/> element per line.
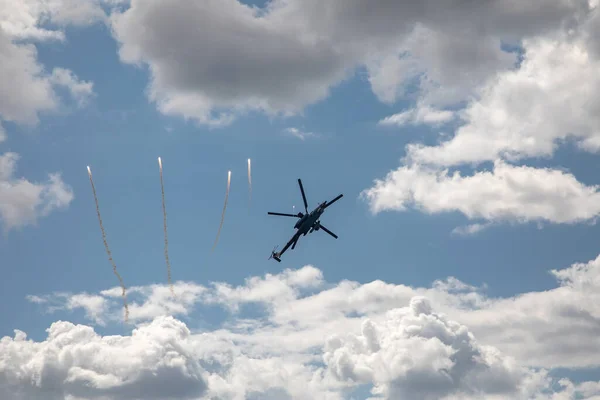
<point x="156" y="362"/>
<point x="470" y="229"/>
<point x="298" y="310"/>
<point x="554" y="95"/>
<point x="81" y="91"/>
<point x="254" y="63"/>
<point x="157" y="300"/>
<point x="420" y="115"/>
<point x="205" y="65"/>
<point x="321" y="340"/>
<point x="512" y="113"/>
<point x="447" y="64"/>
<point x="28" y="19"/>
<point x="418" y="354"/>
<point x="24" y="91"/>
<point x="507" y="193"/>
<point x="20" y="19"/>
<point x="95" y="306"/>
<point x="315" y="339"/>
<point x="299" y="134"/>
<point x="23" y="202"/>
<point x="26" y="88"/>
<point x="527" y="325"/>
<point x="389" y="75"/>
<point x="75" y="12"/>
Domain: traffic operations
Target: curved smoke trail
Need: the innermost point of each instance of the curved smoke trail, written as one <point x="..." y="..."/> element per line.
<point x="106" y="247"/>
<point x="162" y="189"/>
<point x="224" y="208"/>
<point x="249" y="183"/>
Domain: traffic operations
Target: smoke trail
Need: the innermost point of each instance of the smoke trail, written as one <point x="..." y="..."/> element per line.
<point x="224" y="208"/>
<point x="106" y="247"/>
<point x="249" y="182"/>
<point x="162" y="189"/>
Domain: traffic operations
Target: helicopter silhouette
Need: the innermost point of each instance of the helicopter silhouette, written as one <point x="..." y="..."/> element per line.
<point x="307" y="223"/>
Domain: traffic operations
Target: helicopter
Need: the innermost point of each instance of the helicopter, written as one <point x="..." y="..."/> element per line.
<point x="308" y="222"/>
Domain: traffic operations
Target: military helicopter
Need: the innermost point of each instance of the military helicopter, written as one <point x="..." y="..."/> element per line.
<point x="307" y="222"/>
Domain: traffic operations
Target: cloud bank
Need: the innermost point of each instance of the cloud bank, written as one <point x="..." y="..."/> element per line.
<point x="211" y="61"/>
<point x="315" y="339"/>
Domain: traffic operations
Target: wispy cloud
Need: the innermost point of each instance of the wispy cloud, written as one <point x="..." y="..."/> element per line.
<point x="472" y="229"/>
<point x="300" y="134"/>
<point x="420" y="115"/>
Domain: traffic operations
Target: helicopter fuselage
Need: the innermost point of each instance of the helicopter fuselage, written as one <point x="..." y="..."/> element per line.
<point x="309" y="222"/>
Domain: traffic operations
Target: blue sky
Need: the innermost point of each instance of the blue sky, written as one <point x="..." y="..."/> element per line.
<point x="538" y="222"/>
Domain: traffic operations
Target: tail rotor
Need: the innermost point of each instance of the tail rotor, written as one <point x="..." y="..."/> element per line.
<point x="274" y="254"/>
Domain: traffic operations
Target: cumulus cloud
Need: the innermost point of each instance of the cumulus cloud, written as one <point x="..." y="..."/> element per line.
<point x="155" y="362"/>
<point x="510" y="115"/>
<point x="506" y="193"/>
<point x="23" y="90"/>
<point x="528" y="324"/>
<point x="297" y="310"/>
<point x="147" y="302"/>
<point x="417" y="353"/>
<point x="26" y="88"/>
<point x="323" y="340"/>
<point x="205" y="65"/>
<point x="446" y="64"/>
<point x="554" y="95"/>
<point x="23" y="202"/>
<point x="158" y="300"/>
<point x="253" y="63"/>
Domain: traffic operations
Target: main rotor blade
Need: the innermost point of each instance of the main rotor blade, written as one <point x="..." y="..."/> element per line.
<point x="328" y="231"/>
<point x="303" y="196"/>
<point x="333" y="201"/>
<point x="283" y="214"/>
